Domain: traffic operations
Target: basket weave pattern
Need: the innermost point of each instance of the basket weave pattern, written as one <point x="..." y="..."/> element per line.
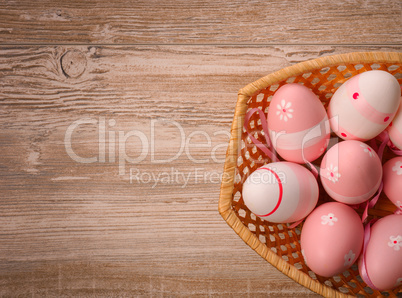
<point x="277" y="243"/>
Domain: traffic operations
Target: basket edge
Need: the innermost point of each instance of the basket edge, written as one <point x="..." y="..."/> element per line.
<point x="227" y="184"/>
<point x="321" y="62"/>
<point x="240" y="229"/>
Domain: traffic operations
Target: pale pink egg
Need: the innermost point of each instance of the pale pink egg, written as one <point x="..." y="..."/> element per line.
<point x="331" y="239"/>
<point x="351" y="172"/>
<point x="281" y="192"/>
<point x="298" y="124"/>
<point x="363" y="106"/>
<point x="395" y="129"/>
<point x="392" y="179"/>
<point x="384" y="254"/>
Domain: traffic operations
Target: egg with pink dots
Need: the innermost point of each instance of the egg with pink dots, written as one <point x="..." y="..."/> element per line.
<point x="363" y="106"/>
<point x="395" y="129"/>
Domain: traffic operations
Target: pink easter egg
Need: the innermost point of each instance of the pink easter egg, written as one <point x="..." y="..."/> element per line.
<point x="383" y="255"/>
<point x="363" y="106"/>
<point x="281" y="192"/>
<point x="297" y="124"/>
<point x="331" y="238"/>
<point x="351" y="172"/>
<point x="395" y="129"/>
<point x="392" y="179"/>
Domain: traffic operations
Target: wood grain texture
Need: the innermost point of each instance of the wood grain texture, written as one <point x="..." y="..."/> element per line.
<point x="72" y="228"/>
<point x="148" y="87"/>
<point x="199" y="22"/>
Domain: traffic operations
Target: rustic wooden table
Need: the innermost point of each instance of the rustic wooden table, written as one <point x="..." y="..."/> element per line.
<point x="115" y="118"/>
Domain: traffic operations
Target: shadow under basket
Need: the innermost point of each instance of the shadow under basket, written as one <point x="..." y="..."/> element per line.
<point x="277" y="243"/>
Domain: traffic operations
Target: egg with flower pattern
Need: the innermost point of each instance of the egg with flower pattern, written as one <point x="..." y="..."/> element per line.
<point x="297" y="124"/>
<point x="392" y="180"/>
<point x="383" y="257"/>
<point x="331" y="238"/>
<point x="351" y="172"/>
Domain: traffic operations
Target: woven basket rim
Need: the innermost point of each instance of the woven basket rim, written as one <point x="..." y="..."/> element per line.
<point x="227" y="185"/>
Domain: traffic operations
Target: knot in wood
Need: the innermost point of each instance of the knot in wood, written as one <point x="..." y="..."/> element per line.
<point x="73" y="63"/>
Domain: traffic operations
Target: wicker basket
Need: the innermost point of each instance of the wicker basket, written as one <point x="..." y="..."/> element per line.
<point x="277" y="243"/>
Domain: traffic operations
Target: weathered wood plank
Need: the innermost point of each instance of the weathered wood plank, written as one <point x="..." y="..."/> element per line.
<point x="201" y="22"/>
<point x="130" y="223"/>
<point x="74" y="228"/>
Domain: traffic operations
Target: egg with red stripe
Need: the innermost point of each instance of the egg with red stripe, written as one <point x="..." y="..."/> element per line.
<point x="281" y="192"/>
<point x="392" y="179"/>
<point x="351" y="172"/>
<point x="395" y="129"/>
<point x="363" y="106"/>
<point x="297" y="124"/>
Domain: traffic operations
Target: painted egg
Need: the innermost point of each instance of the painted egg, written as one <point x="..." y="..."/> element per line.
<point x="395" y="129"/>
<point x="392" y="179"/>
<point x="331" y="239"/>
<point x="363" y="106"/>
<point x="298" y="124"/>
<point x="383" y="257"/>
<point x="281" y="192"/>
<point x="351" y="172"/>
